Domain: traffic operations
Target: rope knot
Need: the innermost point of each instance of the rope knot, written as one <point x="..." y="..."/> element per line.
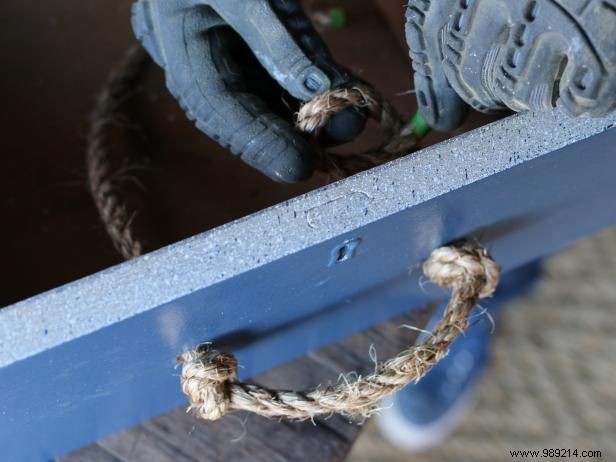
<point x="314" y="114"/>
<point x="207" y="376"/>
<point x="463" y="267"/>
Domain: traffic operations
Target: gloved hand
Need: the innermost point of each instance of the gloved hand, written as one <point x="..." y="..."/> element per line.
<point x="516" y="54"/>
<point x="239" y="69"/>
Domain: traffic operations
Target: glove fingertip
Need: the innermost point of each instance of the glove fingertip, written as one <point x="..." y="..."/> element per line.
<point x="291" y="168"/>
<point x="344" y="126"/>
<point x="285" y="159"/>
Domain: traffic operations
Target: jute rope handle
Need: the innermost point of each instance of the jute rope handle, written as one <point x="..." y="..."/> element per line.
<point x="311" y="118"/>
<point x="209" y="378"/>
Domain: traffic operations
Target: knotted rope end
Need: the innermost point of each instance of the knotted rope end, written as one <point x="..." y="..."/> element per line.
<point x="463" y="266"/>
<point x="314" y="114"/>
<point x="207" y="376"/>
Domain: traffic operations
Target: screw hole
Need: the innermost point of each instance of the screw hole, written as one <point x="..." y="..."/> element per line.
<point x="344" y="251"/>
<point x="342" y="254"/>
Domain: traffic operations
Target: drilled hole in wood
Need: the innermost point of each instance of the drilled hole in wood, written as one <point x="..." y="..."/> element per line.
<point x="344" y="252"/>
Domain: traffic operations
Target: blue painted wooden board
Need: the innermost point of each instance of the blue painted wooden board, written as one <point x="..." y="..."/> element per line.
<point x="98" y="355"/>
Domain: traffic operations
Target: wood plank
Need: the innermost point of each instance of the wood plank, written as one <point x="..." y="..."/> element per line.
<point x="142" y="445"/>
<point x="94" y="453"/>
<point x="245" y="437"/>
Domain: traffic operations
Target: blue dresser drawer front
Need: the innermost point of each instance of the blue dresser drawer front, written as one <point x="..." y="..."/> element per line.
<point x="98" y="355"/>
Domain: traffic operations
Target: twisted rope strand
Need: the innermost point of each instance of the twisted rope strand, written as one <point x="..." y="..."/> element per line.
<point x="110" y="206"/>
<point x="209" y="378"/>
<point x="314" y="115"/>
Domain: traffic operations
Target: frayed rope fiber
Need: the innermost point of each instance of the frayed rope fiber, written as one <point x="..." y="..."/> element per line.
<point x="315" y="114"/>
<point x="209" y="378"/>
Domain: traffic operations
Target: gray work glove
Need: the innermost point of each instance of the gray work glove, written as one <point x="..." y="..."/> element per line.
<point x="239" y="69"/>
<point x="517" y="54"/>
